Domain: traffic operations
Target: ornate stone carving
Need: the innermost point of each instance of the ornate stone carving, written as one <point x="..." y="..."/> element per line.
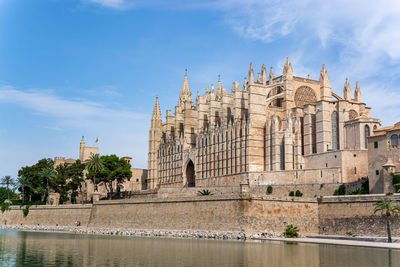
<point x="304" y="96"/>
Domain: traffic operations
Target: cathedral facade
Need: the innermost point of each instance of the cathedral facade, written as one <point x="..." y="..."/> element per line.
<point x="274" y="130"/>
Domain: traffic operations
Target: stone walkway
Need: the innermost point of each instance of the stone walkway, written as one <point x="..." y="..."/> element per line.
<point x="338" y="241"/>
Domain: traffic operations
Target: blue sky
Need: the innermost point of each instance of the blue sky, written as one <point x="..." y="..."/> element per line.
<point x="93" y="67"/>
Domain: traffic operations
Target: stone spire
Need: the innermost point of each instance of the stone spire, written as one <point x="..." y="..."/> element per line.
<point x="288" y="70"/>
<point x="271" y="75"/>
<point x="325" y="85"/>
<point x="212" y="89"/>
<point x="219" y="90"/>
<point x="357" y="93"/>
<point x="259" y="78"/>
<point x="206" y="89"/>
<point x="347" y="90"/>
<point x="185" y="95"/>
<point x="263" y="75"/>
<point x="197" y="98"/>
<point x="251" y="74"/>
<point x="156" y="118"/>
<point x="235" y="87"/>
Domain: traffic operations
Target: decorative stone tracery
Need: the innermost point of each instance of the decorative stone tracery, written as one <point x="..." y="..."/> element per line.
<point x="305" y="96"/>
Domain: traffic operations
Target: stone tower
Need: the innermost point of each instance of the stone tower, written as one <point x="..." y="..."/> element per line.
<point x="155" y="135"/>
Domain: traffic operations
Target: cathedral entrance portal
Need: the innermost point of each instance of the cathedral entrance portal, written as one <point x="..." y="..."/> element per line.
<point x="190" y="175"/>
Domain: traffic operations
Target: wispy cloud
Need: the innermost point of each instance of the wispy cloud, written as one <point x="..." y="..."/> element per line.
<point x="68" y="111"/>
<point x="116" y="4"/>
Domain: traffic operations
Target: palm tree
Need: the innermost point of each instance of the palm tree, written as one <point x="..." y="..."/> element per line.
<point x="48" y="174"/>
<point x="386" y="207"/>
<point x="22" y="184"/>
<point x="7" y="180"/>
<point x="95" y="165"/>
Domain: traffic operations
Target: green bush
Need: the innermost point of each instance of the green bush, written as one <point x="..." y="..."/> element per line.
<point x="269" y="189"/>
<point x="4" y="207"/>
<point x="341" y="191"/>
<point x="365" y="187"/>
<point x="291" y="231"/>
<point x="354" y="191"/>
<point x="205" y="192"/>
<point x="396" y="182"/>
<point x="299" y="193"/>
<point x="291" y="194"/>
<point x="25" y="211"/>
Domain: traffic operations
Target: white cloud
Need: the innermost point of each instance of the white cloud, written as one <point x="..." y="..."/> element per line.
<point x="120" y="130"/>
<point x="78" y="112"/>
<point x="116" y="4"/>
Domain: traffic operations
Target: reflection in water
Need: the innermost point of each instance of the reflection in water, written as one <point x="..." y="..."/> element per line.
<point x="59" y="249"/>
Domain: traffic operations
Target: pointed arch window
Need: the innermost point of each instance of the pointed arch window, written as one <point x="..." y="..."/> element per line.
<point x="367" y="133"/>
<point x="335" y="131"/>
<point x="282" y="148"/>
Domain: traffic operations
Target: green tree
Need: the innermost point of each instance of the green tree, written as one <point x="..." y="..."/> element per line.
<point x="22" y="185"/>
<point x="115" y="171"/>
<point x="387" y="208"/>
<point x="6" y="194"/>
<point x="68" y="180"/>
<point x="94" y="166"/>
<point x="36" y="183"/>
<point x="75" y="174"/>
<point x="49" y="175"/>
<point x="7" y="181"/>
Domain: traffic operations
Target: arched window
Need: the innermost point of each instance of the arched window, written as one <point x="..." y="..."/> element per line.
<point x="394" y="140"/>
<point x="335" y="131"/>
<point x="366" y="134"/>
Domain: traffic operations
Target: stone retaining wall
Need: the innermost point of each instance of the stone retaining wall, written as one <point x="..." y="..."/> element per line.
<point x="338" y="215"/>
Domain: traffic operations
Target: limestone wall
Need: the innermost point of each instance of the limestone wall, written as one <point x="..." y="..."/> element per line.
<point x="338" y="215"/>
<point x="355" y="214"/>
<point x="65" y="215"/>
<point x="328" y="175"/>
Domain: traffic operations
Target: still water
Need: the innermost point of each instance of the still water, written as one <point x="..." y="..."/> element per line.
<point x="60" y="249"/>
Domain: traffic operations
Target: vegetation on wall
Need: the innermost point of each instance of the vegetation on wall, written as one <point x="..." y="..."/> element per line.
<point x="269" y="189"/>
<point x="205" y="192"/>
<point x="25" y="211"/>
<point x="396" y="182"/>
<point x="291" y="231"/>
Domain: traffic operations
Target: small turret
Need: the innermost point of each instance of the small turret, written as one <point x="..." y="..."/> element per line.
<point x="197" y="98"/>
<point x="325" y="85"/>
<point x="347" y="90"/>
<point x="251" y="74"/>
<point x="156" y="119"/>
<point x="357" y="93"/>
<point x="288" y="70"/>
<point x="271" y="76"/>
<point x="185" y="95"/>
<point x="263" y="75"/>
<point x="259" y="78"/>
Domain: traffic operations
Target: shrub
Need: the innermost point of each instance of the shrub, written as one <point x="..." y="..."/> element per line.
<point x="299" y="193"/>
<point x="291" y="193"/>
<point x="205" y="192"/>
<point x="354" y="191"/>
<point x="396" y="182"/>
<point x="269" y="189"/>
<point x="4" y="207"/>
<point x="365" y="187"/>
<point x="291" y="231"/>
<point x="25" y="211"/>
<point x="341" y="191"/>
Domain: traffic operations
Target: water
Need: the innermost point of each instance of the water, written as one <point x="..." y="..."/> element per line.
<point x="61" y="249"/>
